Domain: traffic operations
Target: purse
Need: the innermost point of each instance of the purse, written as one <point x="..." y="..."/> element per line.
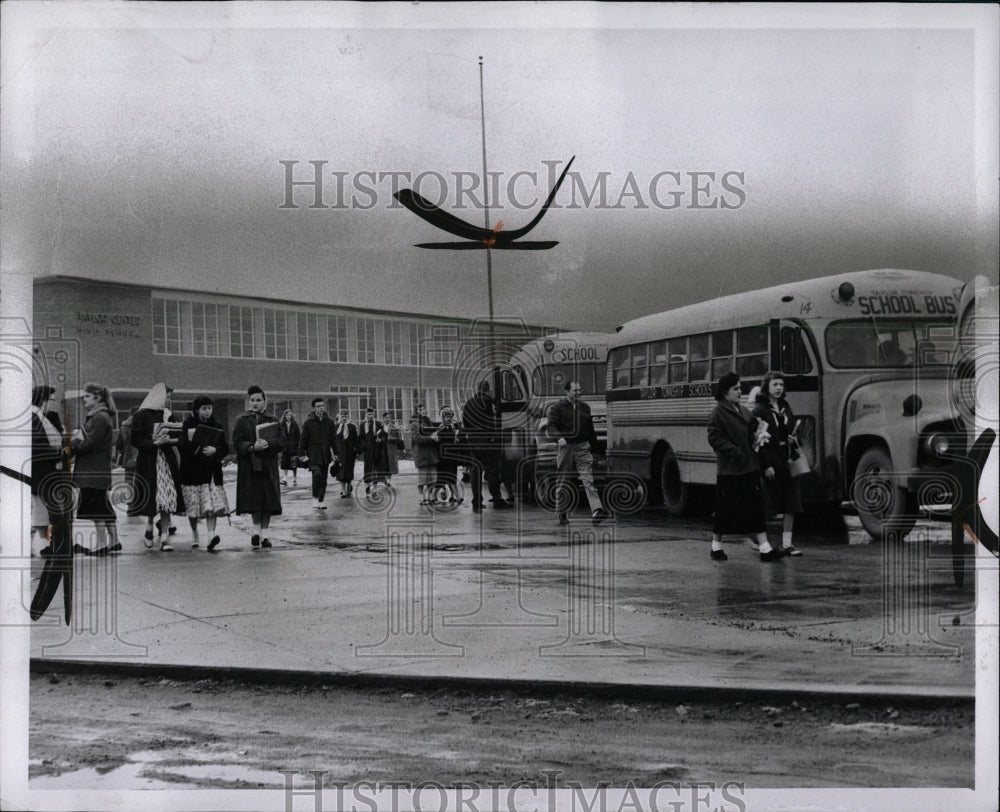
<point x="335" y="468"/>
<point x="799" y="464"/>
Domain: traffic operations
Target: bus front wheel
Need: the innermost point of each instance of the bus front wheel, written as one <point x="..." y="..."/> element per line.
<point x="675" y="492"/>
<point x="882" y="504"/>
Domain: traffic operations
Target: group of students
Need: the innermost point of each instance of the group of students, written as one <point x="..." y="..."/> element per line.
<point x="754" y="449"/>
<point x="323" y="443"/>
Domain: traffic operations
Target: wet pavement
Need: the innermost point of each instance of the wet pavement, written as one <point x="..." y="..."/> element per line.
<point x="387" y="588"/>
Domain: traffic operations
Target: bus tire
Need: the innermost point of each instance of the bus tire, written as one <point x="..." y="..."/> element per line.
<point x="877" y="497"/>
<point x="675" y="492"/>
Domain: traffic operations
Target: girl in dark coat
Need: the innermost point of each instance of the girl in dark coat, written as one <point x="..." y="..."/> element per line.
<point x="202" y="451"/>
<point x="347" y="445"/>
<point x="289" y="462"/>
<point x="51" y="502"/>
<point x="393" y="445"/>
<point x="739" y="504"/>
<point x="781" y="488"/>
<point x="258" y="491"/>
<point x="447" y="466"/>
<point x="157" y="481"/>
<point x="91" y="447"/>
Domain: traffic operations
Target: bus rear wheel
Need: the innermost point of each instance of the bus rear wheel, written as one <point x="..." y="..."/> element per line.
<point x="881" y="503"/>
<point x="675" y="492"/>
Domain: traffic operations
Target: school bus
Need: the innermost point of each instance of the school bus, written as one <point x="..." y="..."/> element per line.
<point x="534" y="378"/>
<point x="865" y="357"/>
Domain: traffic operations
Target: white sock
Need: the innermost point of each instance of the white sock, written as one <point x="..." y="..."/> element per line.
<point x="255" y="529"/>
<point x="786" y="538"/>
<point x="765" y="546"/>
<point x="716" y="544"/>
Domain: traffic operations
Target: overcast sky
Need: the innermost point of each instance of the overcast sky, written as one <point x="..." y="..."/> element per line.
<point x="143" y="143"/>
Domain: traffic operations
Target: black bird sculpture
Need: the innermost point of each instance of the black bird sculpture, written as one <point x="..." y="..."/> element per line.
<point x="478" y="237"/>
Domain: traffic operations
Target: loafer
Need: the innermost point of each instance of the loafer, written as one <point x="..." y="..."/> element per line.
<point x="147" y="539"/>
<point x="265" y="542"/>
<point x="719" y="555"/>
<point x="213" y="543"/>
<point x="791" y="549"/>
<point x="255" y="540"/>
<point x="774" y="554"/>
<point x="194" y="544"/>
<point x="165" y="548"/>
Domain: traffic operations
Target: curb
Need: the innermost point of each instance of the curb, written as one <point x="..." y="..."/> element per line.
<point x="911" y="696"/>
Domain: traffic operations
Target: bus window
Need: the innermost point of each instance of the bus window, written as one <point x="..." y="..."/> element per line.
<point x="890" y="343"/>
<point x="795" y="359"/>
<point x="620" y="367"/>
<point x="640" y="364"/>
<point x="751" y="351"/>
<point x="722" y="353"/>
<point x="511" y="388"/>
<point x="600" y="378"/>
<point x="658" y="363"/>
<point x="678" y="360"/>
<point x="698" y="365"/>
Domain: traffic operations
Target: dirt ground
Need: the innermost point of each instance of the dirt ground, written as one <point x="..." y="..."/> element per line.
<point x="133" y="733"/>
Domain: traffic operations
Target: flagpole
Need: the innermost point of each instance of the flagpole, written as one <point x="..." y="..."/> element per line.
<point x="486" y="216"/>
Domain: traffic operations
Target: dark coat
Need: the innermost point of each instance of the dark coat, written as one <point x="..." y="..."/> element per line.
<point x="127" y="452"/>
<point x="393" y="445"/>
<point x="423" y="445"/>
<point x="775" y="452"/>
<point x="258" y="488"/>
<point x="449" y="448"/>
<point x="92" y="453"/>
<point x="294" y="435"/>
<point x="373" y="439"/>
<point x="572" y="422"/>
<point x="316" y="441"/>
<point x="144" y="496"/>
<point x="730" y="429"/>
<point x="347" y="450"/>
<point x="196" y="468"/>
<point x="479" y="418"/>
<point x="49" y="466"/>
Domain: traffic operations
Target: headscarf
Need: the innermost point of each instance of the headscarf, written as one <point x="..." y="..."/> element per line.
<point x="156" y="399"/>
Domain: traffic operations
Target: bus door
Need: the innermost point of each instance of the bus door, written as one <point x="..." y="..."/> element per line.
<point x="794" y="353"/>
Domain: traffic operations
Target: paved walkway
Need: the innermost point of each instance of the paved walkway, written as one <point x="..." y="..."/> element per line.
<point x="379" y="591"/>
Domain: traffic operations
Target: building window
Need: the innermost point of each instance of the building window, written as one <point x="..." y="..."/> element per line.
<point x="366" y="341"/>
<point x="393" y="343"/>
<point x="275" y="336"/>
<point x="307" y="341"/>
<point x="208" y="323"/>
<point x="240" y="332"/>
<point x="337" y="338"/>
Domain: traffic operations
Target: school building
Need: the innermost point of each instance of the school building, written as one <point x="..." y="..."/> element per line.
<point x="128" y="337"/>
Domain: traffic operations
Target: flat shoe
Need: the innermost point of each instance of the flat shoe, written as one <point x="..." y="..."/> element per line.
<point x="213" y="544"/>
<point x="147" y="539"/>
<point x="719" y="555"/>
<point x="265" y="542"/>
<point x="791" y="550"/>
<point x="165" y="548"/>
<point x="774" y="554"/>
<point x="255" y="540"/>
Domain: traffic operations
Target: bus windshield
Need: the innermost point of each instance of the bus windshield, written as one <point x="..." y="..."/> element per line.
<point x="888" y="343"/>
<point x="551" y="379"/>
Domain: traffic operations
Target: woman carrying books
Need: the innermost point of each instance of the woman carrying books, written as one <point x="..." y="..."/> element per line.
<point x="259" y="441"/>
<point x="91" y="449"/>
<point x="157" y="485"/>
<point x="203" y="446"/>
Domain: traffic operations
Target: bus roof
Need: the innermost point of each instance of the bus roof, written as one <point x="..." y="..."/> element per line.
<point x="565" y="348"/>
<point x="829" y="297"/>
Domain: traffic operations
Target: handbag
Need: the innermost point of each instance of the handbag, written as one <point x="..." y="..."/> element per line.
<point x="335" y="468"/>
<point x="799" y="465"/>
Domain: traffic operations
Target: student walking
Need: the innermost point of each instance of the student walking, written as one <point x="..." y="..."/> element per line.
<point x="346" y="445"/>
<point x="258" y="440"/>
<point x="739" y="505"/>
<point x="289" y="462"/>
<point x="91" y="448"/>
<point x="315" y="448"/>
<point x="203" y="446"/>
<point x="157" y="467"/>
